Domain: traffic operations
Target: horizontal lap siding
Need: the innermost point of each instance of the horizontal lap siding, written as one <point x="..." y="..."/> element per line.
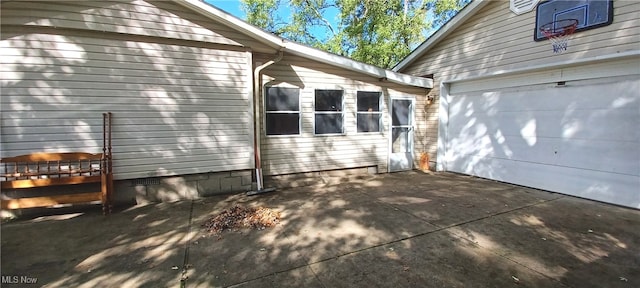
<point x="308" y="152"/>
<point x="154" y="18"/>
<point x="495" y="39"/>
<point x="176" y="109"/>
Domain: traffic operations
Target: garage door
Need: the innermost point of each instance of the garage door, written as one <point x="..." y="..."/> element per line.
<point x="579" y="137"/>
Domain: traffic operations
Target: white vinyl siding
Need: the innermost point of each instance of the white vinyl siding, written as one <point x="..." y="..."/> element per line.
<point x="495" y="40"/>
<point x="176" y="109"/>
<point x="307" y="152"/>
<point x="154" y="18"/>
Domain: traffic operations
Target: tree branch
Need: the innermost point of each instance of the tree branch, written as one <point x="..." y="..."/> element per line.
<point x="327" y="23"/>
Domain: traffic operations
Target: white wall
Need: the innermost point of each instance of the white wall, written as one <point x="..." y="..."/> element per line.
<point x="308" y="152"/>
<point x="178" y="107"/>
<point x="495" y="40"/>
<point x="136" y="17"/>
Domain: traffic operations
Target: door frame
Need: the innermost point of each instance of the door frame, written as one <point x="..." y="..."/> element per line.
<point x="412" y="119"/>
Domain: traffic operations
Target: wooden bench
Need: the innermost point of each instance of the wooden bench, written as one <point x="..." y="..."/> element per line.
<point x="54" y="169"/>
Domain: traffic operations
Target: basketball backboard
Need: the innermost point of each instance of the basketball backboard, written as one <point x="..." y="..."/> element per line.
<point x="589" y="13"/>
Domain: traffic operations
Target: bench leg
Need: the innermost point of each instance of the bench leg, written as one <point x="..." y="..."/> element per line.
<point x="105" y="193"/>
<point x="110" y="192"/>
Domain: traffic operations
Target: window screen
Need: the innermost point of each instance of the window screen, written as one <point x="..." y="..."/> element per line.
<point x="329" y="112"/>
<point x="282" y="107"/>
<point x="368" y="114"/>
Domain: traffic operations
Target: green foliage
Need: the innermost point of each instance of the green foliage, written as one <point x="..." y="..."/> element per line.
<point x="259" y="13"/>
<point x="378" y="32"/>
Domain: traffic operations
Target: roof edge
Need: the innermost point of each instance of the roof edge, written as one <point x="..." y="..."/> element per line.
<point x="230" y="20"/>
<point x="280" y="43"/>
<point x="445" y="30"/>
<point x="353" y="65"/>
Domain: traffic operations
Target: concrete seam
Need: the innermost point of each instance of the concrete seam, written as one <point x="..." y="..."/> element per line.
<point x="439" y="228"/>
<point x="498" y="213"/>
<point x="306" y="260"/>
<point x="515" y="262"/>
<point x="315" y="275"/>
<point x="185" y="268"/>
<point x="504" y="256"/>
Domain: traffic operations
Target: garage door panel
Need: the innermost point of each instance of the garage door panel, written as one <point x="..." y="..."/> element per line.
<point x="581" y="139"/>
<point x="606" y="156"/>
<point x="523" y="124"/>
<point x="515" y="100"/>
<point x="566" y="123"/>
<point x="575" y="153"/>
<point x="529" y="96"/>
<point x="591" y="184"/>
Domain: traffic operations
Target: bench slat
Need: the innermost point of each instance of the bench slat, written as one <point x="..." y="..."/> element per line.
<point x="30" y="183"/>
<point x="50" y="173"/>
<point x="48" y="169"/>
<point x="51" y="200"/>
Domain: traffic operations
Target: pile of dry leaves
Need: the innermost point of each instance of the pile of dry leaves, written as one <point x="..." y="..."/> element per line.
<point x="240" y="217"/>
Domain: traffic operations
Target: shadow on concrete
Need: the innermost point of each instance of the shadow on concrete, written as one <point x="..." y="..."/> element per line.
<point x="402" y="230"/>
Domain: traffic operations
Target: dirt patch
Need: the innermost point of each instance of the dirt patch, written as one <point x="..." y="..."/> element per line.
<point x="241" y="218"/>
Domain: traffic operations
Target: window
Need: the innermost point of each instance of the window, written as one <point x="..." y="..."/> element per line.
<point x="282" y="107"/>
<point x="329" y="112"/>
<point x="369" y="114"/>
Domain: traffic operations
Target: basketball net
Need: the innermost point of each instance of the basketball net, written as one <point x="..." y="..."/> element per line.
<point x="559" y="32"/>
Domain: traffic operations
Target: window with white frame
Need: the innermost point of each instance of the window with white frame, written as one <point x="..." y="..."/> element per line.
<point x="282" y="111"/>
<point x="329" y="112"/>
<point x="369" y="114"/>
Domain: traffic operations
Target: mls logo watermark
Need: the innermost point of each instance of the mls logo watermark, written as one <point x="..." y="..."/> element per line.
<point x="18" y="279"/>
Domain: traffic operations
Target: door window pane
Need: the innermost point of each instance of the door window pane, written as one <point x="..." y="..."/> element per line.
<point x="400" y="140"/>
<point x="400" y="112"/>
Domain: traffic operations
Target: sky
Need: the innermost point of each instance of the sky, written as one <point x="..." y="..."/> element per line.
<point x="233" y="7"/>
<point x="230" y="6"/>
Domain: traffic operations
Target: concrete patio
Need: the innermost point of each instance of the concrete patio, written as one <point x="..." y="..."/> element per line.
<point x="408" y="229"/>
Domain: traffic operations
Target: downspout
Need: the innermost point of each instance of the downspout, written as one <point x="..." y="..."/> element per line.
<point x="257" y="85"/>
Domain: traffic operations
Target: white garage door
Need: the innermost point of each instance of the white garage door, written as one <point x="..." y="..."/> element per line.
<point x="580" y="139"/>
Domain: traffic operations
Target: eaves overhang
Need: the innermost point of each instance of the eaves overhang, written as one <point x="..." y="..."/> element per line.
<point x="294" y="48"/>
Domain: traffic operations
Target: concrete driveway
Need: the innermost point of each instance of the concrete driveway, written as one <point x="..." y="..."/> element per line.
<point x="394" y="230"/>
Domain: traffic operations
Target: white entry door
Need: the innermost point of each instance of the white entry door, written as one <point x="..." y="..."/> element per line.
<point x="401" y="156"/>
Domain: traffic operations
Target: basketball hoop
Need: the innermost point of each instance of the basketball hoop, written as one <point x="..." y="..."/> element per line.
<point x="559" y="33"/>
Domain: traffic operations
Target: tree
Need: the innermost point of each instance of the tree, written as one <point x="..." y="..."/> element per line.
<point x="378" y="32"/>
